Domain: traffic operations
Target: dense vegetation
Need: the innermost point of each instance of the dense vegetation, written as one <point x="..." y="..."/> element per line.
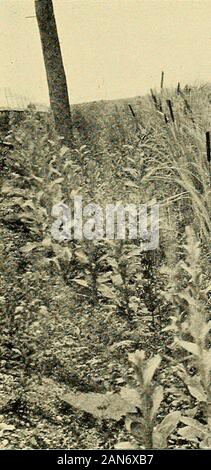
<point x="101" y="342"/>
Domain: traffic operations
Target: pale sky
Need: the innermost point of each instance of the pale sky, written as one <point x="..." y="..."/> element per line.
<point x="111" y="48"/>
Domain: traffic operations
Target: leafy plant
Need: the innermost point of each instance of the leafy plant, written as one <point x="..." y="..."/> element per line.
<point x="191" y="327"/>
<point x="145" y="427"/>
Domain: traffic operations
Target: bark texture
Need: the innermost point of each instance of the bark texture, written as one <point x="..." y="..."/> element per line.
<point x="56" y="78"/>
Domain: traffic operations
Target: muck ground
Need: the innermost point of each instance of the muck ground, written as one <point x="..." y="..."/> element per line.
<point x="103" y="344"/>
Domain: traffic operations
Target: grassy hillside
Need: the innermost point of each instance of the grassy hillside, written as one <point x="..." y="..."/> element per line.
<point x="73" y="311"/>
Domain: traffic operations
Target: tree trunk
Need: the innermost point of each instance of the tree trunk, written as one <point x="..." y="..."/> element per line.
<point x="56" y="78"/>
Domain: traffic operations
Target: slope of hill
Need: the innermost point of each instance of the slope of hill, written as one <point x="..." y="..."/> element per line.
<point x="73" y="310"/>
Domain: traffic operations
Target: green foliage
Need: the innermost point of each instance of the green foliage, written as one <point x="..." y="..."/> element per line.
<point x="140" y="405"/>
<point x="144" y="427"/>
<point x="104" y="406"/>
<point x="191" y="328"/>
<point x="119" y="158"/>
